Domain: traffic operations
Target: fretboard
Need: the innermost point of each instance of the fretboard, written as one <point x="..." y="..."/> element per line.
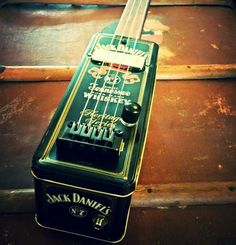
<point x="132" y="19"/>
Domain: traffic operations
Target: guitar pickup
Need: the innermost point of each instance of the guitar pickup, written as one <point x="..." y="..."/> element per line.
<point x="81" y="143"/>
<point x="123" y="59"/>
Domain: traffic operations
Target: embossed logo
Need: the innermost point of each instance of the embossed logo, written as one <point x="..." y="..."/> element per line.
<point x="100" y="72"/>
<point x="78" y="211"/>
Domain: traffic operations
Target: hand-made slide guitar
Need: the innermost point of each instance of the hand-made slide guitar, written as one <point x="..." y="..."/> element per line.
<point x="87" y="164"/>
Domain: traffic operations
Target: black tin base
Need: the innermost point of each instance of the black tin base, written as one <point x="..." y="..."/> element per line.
<point x="81" y="212"/>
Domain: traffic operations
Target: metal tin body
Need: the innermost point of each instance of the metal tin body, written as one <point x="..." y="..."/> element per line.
<point x="80" y="211"/>
<point x="84" y="187"/>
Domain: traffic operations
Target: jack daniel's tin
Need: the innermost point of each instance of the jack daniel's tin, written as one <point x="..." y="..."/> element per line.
<point x="87" y="164"/>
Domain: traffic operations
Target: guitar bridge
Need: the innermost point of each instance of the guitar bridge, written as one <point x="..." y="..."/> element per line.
<point x="122" y="59"/>
<point x="81" y="143"/>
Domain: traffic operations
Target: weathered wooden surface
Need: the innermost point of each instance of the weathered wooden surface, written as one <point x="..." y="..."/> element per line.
<point x="49" y="35"/>
<point x="190" y="153"/>
<point x="123" y="2"/>
<point x="164" y="72"/>
<point x="192" y="132"/>
<point x="179" y="195"/>
<point x="191" y="123"/>
<point x="193" y="225"/>
<point x="184" y="194"/>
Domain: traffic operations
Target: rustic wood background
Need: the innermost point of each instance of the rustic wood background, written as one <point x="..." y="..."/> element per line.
<point x="190" y="153"/>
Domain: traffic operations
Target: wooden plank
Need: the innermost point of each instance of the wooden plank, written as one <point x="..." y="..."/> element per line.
<point x="164" y="72"/>
<point x="123" y="2"/>
<point x="36" y="73"/>
<point x="184" y="194"/>
<point x="28" y="34"/>
<point x="178" y="195"/>
<point x="17" y="201"/>
<point x="187" y="72"/>
<point x="147" y="226"/>
<point x="191" y="136"/>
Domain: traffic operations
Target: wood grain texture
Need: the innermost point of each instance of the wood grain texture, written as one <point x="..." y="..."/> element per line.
<point x="184" y="194"/>
<point x="164" y="72"/>
<point x="48" y="35"/>
<point x="191" y="138"/>
<point x="123" y="2"/>
<point x="193" y="225"/>
<point x="164" y="196"/>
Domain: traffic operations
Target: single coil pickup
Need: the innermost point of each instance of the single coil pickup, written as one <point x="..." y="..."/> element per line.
<point x="119" y="58"/>
<point x="81" y="143"/>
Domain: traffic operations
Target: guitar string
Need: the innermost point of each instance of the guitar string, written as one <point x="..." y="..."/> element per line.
<point x="109" y="71"/>
<point x="91" y="91"/>
<point x="125" y="74"/>
<point x="98" y="75"/>
<point x="135" y="43"/>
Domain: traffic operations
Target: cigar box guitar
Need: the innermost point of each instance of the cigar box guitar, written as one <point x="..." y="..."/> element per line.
<point x="87" y="164"/>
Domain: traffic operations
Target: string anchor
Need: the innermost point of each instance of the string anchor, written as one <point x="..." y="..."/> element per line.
<point x="81" y="143"/>
<point x="130" y="114"/>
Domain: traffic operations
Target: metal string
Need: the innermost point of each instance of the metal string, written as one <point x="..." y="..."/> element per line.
<point x="108" y="73"/>
<point x="117" y="105"/>
<point x="98" y="75"/>
<point x="116" y="75"/>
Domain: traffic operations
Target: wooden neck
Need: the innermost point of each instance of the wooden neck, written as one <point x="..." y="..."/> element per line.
<point x="132" y="19"/>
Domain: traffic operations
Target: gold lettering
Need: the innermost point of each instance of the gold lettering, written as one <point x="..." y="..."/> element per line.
<point x="108" y="120"/>
<point x="50" y="199"/>
<point x="82" y="200"/>
<point x="98" y="206"/>
<point x="76" y="197"/>
<point x="89" y="202"/>
<point x="66" y="198"/>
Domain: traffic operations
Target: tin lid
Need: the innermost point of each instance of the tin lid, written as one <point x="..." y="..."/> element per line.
<point x="84" y="179"/>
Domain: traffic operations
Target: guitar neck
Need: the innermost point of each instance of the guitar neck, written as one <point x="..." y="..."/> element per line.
<point x="133" y="18"/>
